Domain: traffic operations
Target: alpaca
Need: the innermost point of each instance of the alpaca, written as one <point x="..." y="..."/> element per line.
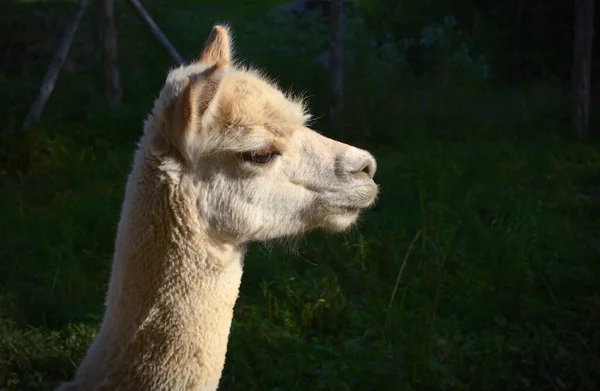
<point x="225" y="159"/>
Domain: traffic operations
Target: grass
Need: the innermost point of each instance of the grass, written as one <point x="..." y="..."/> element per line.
<point x="499" y="290"/>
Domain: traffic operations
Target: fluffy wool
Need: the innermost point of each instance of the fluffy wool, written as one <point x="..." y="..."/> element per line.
<point x="226" y="159"/>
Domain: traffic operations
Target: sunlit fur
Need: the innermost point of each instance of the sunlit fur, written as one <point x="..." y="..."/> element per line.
<point x="193" y="201"/>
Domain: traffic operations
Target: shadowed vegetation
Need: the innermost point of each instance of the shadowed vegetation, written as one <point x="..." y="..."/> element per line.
<point x="500" y="290"/>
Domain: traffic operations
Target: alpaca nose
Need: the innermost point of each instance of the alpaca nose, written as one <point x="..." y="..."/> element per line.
<point x="366" y="165"/>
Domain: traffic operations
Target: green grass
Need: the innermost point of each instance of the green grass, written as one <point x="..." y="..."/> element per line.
<point x="499" y="292"/>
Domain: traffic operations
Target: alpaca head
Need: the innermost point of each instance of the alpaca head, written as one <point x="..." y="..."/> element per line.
<point x="243" y="151"/>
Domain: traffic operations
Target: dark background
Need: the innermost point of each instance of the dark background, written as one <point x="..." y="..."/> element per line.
<point x="466" y="106"/>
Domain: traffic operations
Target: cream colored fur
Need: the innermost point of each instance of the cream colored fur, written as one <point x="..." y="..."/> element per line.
<point x="195" y="198"/>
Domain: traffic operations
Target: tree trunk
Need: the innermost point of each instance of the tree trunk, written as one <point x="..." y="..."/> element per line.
<point x="112" y="81"/>
<point x="336" y="65"/>
<point x="582" y="65"/>
<point x="58" y="60"/>
<point x="143" y="14"/>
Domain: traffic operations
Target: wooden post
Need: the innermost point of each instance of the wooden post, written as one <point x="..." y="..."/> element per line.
<point x="582" y="65"/>
<point x="143" y="14"/>
<point x="336" y="64"/>
<point x="55" y="65"/>
<point x="112" y="80"/>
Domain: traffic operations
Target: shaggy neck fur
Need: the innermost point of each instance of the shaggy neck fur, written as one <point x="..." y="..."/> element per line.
<point x="171" y="295"/>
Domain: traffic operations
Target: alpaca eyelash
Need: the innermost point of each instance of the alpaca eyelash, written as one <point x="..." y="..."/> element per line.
<point x="259" y="157"/>
<point x="263" y="151"/>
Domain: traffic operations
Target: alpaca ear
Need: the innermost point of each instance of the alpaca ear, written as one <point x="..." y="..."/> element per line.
<point x="193" y="109"/>
<point x="217" y="47"/>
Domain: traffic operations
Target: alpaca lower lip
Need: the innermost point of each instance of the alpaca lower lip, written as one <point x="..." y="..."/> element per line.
<point x="342" y="209"/>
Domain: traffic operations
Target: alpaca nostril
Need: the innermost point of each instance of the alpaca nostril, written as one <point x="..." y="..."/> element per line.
<point x="367" y="170"/>
<point x="368" y="167"/>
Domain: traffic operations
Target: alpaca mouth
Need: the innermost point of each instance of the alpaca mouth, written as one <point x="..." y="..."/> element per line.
<point x="339" y="209"/>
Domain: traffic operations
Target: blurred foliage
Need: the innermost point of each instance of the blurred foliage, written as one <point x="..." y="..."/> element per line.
<point x="522" y="38"/>
<point x="500" y="291"/>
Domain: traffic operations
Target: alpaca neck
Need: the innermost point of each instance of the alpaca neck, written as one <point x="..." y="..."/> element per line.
<point x="171" y="296"/>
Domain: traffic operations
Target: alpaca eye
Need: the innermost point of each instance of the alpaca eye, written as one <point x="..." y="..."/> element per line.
<point x="260" y="157"/>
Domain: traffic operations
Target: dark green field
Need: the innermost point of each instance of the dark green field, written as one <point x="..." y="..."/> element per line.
<point x="500" y="291"/>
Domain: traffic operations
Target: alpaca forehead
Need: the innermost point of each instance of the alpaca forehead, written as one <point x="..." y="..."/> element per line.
<point x="247" y="99"/>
